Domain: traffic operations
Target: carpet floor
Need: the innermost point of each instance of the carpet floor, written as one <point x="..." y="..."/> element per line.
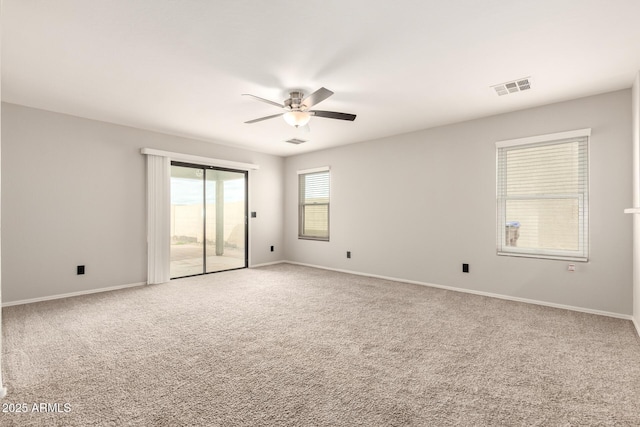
<point x="287" y="345"/>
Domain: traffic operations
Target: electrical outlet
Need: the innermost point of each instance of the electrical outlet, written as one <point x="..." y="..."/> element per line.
<point x="348" y="254"/>
<point x="465" y="268"/>
<point x="571" y="268"/>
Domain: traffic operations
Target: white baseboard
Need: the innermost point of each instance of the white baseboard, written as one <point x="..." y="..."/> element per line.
<point x="481" y="293"/>
<point x="637" y="325"/>
<point x="72" y="294"/>
<point x="357" y="273"/>
<point x="264" y="264"/>
<point x="94" y="291"/>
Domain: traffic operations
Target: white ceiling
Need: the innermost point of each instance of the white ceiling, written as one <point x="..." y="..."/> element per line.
<point x="180" y="67"/>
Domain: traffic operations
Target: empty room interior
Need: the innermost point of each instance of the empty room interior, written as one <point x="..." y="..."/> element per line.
<point x="284" y="213"/>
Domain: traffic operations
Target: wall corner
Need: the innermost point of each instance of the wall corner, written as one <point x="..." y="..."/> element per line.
<point x="635" y="114"/>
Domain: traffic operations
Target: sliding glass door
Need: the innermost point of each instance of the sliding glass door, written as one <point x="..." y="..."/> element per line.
<point x="208" y="219"/>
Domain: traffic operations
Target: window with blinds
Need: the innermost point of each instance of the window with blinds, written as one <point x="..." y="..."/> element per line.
<point x="313" y="220"/>
<point x="543" y="196"/>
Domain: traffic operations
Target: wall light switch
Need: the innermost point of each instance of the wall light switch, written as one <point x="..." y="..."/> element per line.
<point x="572" y="267"/>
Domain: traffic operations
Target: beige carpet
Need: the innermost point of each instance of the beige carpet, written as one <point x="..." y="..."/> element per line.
<point x="292" y="346"/>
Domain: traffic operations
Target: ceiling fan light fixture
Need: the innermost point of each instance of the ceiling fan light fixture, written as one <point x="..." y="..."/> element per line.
<point x="297" y="118"/>
<point x="297" y="110"/>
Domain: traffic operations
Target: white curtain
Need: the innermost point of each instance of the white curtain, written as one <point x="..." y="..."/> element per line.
<point x="158" y="218"/>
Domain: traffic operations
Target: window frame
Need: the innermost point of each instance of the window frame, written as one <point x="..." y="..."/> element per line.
<point x="302" y="204"/>
<point x="502" y="147"/>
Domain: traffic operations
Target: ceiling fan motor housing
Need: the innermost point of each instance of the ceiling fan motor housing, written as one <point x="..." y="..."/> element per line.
<point x="295" y="100"/>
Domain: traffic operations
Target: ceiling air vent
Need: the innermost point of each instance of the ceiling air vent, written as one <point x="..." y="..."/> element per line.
<point x="512" y="87"/>
<point x="295" y="141"/>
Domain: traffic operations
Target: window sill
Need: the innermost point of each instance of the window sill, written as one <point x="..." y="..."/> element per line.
<point x="550" y="257"/>
<point x="319" y="239"/>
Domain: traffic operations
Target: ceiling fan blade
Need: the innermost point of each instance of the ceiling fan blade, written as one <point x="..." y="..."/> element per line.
<point x="316" y="97"/>
<point x="264" y="100"/>
<point x="264" y="118"/>
<point x="333" y="115"/>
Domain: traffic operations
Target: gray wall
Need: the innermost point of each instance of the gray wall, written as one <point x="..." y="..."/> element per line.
<point x="413" y="206"/>
<point x="73" y="192"/>
<point x="416" y="206"/>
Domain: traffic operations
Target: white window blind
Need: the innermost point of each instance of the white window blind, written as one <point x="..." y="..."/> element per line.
<point x="314" y="204"/>
<point x="543" y="197"/>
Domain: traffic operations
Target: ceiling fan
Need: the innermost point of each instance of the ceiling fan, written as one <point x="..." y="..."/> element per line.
<point x="297" y="112"/>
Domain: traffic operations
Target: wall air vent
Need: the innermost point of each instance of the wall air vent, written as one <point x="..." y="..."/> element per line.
<point x="295" y="141"/>
<point x="513" y="87"/>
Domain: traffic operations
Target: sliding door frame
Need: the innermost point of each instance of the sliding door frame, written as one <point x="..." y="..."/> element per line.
<point x="245" y="173"/>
